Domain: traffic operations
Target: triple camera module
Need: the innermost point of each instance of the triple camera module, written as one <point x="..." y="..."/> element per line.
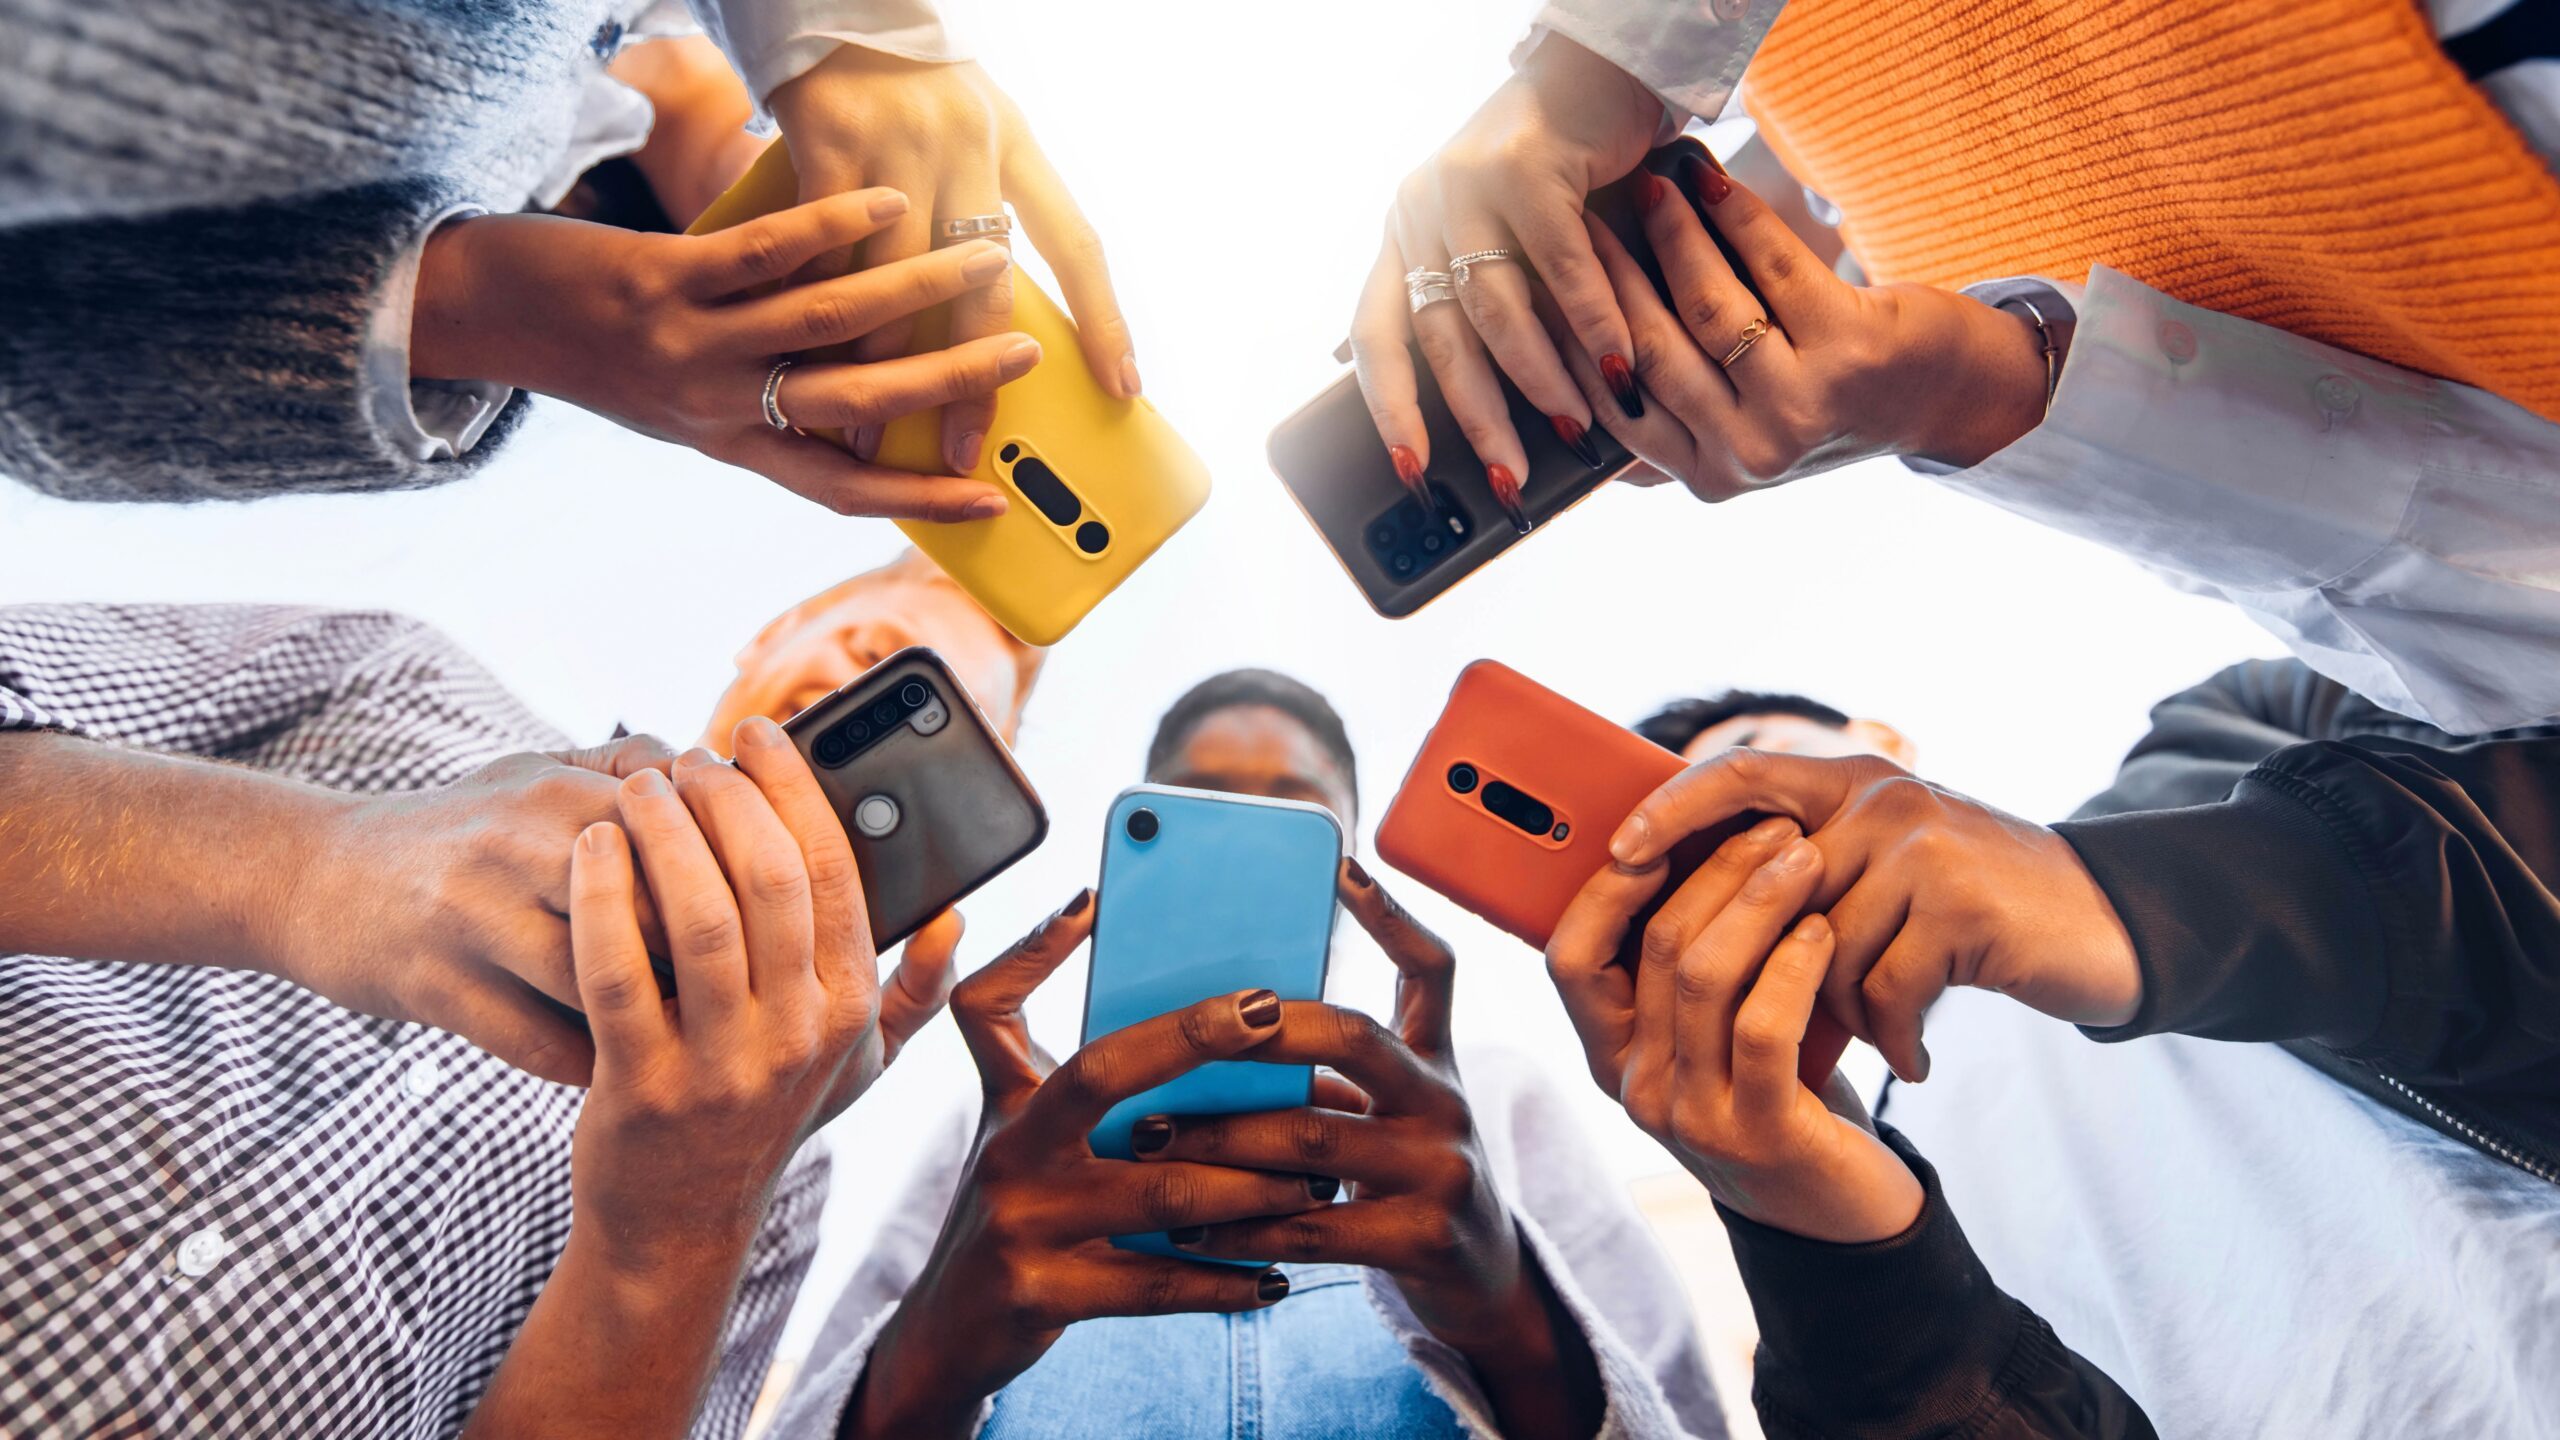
<point x="911" y="704"/>
<point x="1050" y="496"/>
<point x="1508" y="803"/>
<point x="1409" y="544"/>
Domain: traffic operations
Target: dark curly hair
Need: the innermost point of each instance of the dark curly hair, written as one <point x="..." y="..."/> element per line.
<point x="1674" y="725"/>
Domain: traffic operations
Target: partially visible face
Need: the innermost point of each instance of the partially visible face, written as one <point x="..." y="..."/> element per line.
<point x="1259" y="750"/>
<point x="1796" y="735"/>
<point x="814" y="648"/>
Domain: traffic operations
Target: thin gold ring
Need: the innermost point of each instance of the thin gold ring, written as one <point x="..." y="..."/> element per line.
<point x="1750" y="336"/>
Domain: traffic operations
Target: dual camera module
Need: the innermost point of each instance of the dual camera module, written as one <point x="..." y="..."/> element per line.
<point x="1409" y="544"/>
<point x="912" y="703"/>
<point x="1511" y="805"/>
<point x="1050" y="496"/>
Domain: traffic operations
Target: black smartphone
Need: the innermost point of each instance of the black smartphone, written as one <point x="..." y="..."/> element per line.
<point x="930" y="797"/>
<point x="1334" y="465"/>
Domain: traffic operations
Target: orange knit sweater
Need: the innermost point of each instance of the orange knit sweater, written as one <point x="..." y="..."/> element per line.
<point x="2317" y="165"/>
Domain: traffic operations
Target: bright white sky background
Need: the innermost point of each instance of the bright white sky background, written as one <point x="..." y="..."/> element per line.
<point x="1238" y="163"/>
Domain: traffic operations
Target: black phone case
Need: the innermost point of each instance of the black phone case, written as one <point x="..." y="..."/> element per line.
<point x="1334" y="465"/>
<point x="965" y="812"/>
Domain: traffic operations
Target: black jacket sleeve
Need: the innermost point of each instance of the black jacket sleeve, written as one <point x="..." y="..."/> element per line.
<point x="1909" y="1337"/>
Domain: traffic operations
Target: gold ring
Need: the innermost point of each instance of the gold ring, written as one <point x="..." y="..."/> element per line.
<point x="1750" y="336"/>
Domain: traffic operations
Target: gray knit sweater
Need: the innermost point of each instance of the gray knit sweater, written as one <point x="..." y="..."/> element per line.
<point x="200" y="201"/>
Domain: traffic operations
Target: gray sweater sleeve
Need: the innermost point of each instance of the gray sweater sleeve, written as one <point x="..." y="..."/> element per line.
<point x="209" y="354"/>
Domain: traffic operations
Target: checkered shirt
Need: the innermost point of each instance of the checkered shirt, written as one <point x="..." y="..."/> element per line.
<point x="227" y="1206"/>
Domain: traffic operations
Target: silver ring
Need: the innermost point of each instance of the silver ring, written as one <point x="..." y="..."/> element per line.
<point x="1427" y="287"/>
<point x="998" y="227"/>
<point x="773" y="415"/>
<point x="1459" y="265"/>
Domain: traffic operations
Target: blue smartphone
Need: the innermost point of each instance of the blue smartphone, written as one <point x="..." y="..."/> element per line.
<point x="1203" y="894"/>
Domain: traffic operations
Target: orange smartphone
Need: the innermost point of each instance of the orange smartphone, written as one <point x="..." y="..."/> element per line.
<point x="1509" y="808"/>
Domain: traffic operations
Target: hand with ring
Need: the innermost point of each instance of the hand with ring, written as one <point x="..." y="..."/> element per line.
<point x="1493" y="218"/>
<point x="945" y="136"/>
<point x="1746" y="393"/>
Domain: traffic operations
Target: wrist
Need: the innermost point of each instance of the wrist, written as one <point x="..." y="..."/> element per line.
<point x="296" y="885"/>
<point x="463" y="324"/>
<point x="1874" y="1199"/>
<point x="1584" y="92"/>
<point x="906" y="1391"/>
<point x="1993" y="393"/>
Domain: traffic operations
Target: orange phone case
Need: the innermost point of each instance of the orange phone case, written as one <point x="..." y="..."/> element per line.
<point x="1585" y="771"/>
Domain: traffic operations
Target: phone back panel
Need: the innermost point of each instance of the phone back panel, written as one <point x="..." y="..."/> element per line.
<point x="959" y="810"/>
<point x="1583" y="771"/>
<point x="1040" y="567"/>
<point x="1233" y="892"/>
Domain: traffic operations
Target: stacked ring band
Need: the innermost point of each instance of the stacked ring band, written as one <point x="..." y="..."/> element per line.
<point x="773" y="415"/>
<point x="977" y="227"/>
<point x="1749" y="337"/>
<point x="1427" y="287"/>
<point x="1459" y="265"/>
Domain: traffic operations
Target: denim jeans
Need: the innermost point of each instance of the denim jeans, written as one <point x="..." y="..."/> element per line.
<point x="1319" y="1365"/>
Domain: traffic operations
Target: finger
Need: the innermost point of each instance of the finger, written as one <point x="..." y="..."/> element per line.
<point x="970" y="189"/>
<point x="921" y="985"/>
<point x="513" y="1022"/>
<point x="1715" y="306"/>
<point x="840" y="920"/>
<point x="1550" y="230"/>
<point x="1793" y="281"/>
<point x="1329" y="1091"/>
<point x="1303" y="1141"/>
<point x="988" y="1005"/>
<point x="1717" y="968"/>
<point x="1118" y="1197"/>
<point x="1426" y="968"/>
<point x="1864" y="922"/>
<point x="1661" y="956"/>
<point x="1582" y="962"/>
<point x="1458" y="363"/>
<point x="1658" y="434"/>
<point x="1898" y="993"/>
<point x="616" y="988"/>
<point x="832" y="312"/>
<point x="1770" y="1026"/>
<point x="1366" y="1052"/>
<point x="816" y="470"/>
<point x="1497" y="302"/>
<point x="1059" y="230"/>
<point x="705" y="939"/>
<point x="836" y="397"/>
<point x="1804" y="788"/>
<point x="622" y="757"/>
<point x="1381" y="1234"/>
<point x="1139" y="1057"/>
<point x="769" y="248"/>
<point x="1382" y="361"/>
<point x="768" y="880"/>
<point x="1117" y="1282"/>
<point x="905" y="238"/>
<point x="1667" y="360"/>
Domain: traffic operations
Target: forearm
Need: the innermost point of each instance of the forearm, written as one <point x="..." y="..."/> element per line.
<point x="612" y="1348"/>
<point x="115" y="854"/>
<point x="906" y="1394"/>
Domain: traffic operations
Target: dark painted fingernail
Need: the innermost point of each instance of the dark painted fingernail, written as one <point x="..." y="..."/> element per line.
<point x="1359" y="876"/>
<point x="1713" y="186"/>
<point x="1576" y="439"/>
<point x="1653" y="192"/>
<point x="1259" y="1010"/>
<point x="1151" y="1135"/>
<point x="1506" y="493"/>
<point x="1323" y="1188"/>
<point x="620" y="731"/>
<point x="1188" y="1234"/>
<point x="1075" y="907"/>
<point x="1622" y="385"/>
<point x="1273" y="1285"/>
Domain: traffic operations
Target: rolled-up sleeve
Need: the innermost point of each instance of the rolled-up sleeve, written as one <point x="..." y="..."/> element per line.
<point x="1691" y="55"/>
<point x="773" y="42"/>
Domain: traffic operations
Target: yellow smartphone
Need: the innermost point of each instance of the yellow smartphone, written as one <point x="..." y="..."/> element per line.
<point x="1097" y="485"/>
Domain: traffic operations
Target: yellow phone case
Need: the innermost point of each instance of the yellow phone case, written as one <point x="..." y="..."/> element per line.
<point x="1120" y="463"/>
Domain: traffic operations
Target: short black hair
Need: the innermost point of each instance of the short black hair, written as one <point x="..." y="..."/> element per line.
<point x="1674" y="725"/>
<point x="1234" y="689"/>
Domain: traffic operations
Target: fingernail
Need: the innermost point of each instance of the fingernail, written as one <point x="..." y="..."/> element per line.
<point x="1359" y="876"/>
<point x="1506" y="493"/>
<point x="1323" y="1188"/>
<point x="1770" y="831"/>
<point x="1813" y="929"/>
<point x="591" y="839"/>
<point x="1259" y="1010"/>
<point x="1075" y="907"/>
<point x="1629" y="841"/>
<point x="1187" y="1234"/>
<point x="1273" y="1286"/>
<point x="620" y="731"/>
<point x="866" y="443"/>
<point x="1409" y="473"/>
<point x="964" y="456"/>
<point x="1713" y="186"/>
<point x="759" y="730"/>
<point x="888" y="206"/>
<point x="1151" y="1135"/>
<point x="1795" y="857"/>
<point x="648" y="782"/>
<point x="988" y="263"/>
<point x="1021" y="355"/>
<point x="697" y="756"/>
<point x="1129" y="376"/>
<point x="1576" y="439"/>
<point x="1653" y="192"/>
<point x="985" y="507"/>
<point x="1925" y="1064"/>
<point x="1622" y="385"/>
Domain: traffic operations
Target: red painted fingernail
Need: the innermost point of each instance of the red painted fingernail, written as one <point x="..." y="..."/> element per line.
<point x="1409" y="472"/>
<point x="1622" y="384"/>
<point x="1653" y="192"/>
<point x="1576" y="439"/>
<point x="1713" y="186"/>
<point x="1506" y="493"/>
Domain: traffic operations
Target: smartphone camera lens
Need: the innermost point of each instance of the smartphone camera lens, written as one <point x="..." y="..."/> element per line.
<point x="1402" y="565"/>
<point x="885" y="713"/>
<point x="1093" y="537"/>
<point x="913" y="695"/>
<point x="1009" y="454"/>
<point x="1462" y="778"/>
<point x="857" y="732"/>
<point x="834" y="749"/>
<point x="1143" y="825"/>
<point x="1560" y="832"/>
<point x="1383" y="537"/>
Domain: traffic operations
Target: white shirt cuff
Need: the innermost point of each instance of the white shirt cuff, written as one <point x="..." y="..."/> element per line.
<point x="427" y="420"/>
<point x="774" y="42"/>
<point x="1686" y="53"/>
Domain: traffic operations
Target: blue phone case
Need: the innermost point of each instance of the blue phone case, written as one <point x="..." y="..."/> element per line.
<point x="1231" y="892"/>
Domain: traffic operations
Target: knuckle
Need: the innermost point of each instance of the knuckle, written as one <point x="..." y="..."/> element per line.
<point x="707" y="931"/>
<point x="1300" y="1239"/>
<point x="761" y="255"/>
<point x="618" y="990"/>
<point x="1440" y="349"/>
<point x="1197" y="1031"/>
<point x="827" y="318"/>
<point x="1170" y="1198"/>
<point x="1439" y="1240"/>
<point x="777" y="878"/>
<point x="1161" y="1292"/>
<point x="1702" y="311"/>
<point x="1760" y="1037"/>
<point x="828" y="869"/>
<point x="1662" y="942"/>
<point x="1085" y="1081"/>
<point x="1695" y="985"/>
<point x="1313" y="1140"/>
